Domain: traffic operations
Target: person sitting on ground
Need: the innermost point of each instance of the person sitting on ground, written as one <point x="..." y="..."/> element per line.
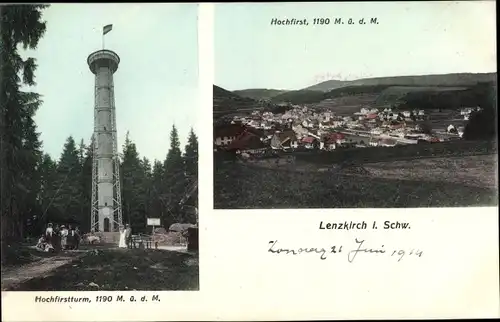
<point x="44" y="246"/>
<point x="49" y="248"/>
<point x="41" y="243"/>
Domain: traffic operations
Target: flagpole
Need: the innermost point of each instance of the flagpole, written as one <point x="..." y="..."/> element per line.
<point x="105" y="30"/>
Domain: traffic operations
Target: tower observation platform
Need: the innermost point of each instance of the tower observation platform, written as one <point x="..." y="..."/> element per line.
<point x="106" y="208"/>
<point x="103" y="58"/>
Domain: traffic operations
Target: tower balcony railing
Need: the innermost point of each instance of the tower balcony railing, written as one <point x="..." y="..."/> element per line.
<point x="105" y="58"/>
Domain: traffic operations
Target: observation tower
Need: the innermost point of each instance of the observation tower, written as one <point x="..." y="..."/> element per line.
<point x="106" y="207"/>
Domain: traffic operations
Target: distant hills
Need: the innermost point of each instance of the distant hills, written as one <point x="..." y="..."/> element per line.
<point x="424" y="91"/>
<point x="225" y="101"/>
<point x="462" y="79"/>
<point x="260" y="93"/>
<point x="220" y="92"/>
<point x="328" y="85"/>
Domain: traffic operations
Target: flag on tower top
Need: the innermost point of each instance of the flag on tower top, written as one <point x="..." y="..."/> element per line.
<point x="107" y="29"/>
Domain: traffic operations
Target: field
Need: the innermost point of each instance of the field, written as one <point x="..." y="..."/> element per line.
<point x="346" y="105"/>
<point x="447" y="181"/>
<point x="399" y="152"/>
<point x="472" y="171"/>
<point x="121" y="269"/>
<point x="395" y="93"/>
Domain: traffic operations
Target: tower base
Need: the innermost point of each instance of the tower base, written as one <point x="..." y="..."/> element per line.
<point x="109" y="237"/>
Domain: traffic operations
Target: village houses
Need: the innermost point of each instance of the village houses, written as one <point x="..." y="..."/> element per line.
<point x="302" y="127"/>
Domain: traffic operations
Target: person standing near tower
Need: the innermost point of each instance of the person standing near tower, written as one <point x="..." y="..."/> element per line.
<point x="77" y="237"/>
<point x="128" y="236"/>
<point x="122" y="243"/>
<point x="64" y="237"/>
<point x="56" y="238"/>
<point x="49" y="232"/>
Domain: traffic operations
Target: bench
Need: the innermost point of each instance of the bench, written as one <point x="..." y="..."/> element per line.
<point x="142" y="241"/>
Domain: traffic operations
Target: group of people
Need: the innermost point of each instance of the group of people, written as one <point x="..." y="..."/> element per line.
<point x="57" y="238"/>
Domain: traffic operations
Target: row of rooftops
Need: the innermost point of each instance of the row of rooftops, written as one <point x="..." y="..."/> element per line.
<point x="306" y="122"/>
<point x="251" y="138"/>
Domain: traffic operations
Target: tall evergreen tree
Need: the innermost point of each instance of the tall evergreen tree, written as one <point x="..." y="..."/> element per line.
<point x="191" y="171"/>
<point x="30" y="157"/>
<point x="69" y="190"/>
<point x="482" y="124"/>
<point x="86" y="157"/>
<point x="19" y="24"/>
<point x="146" y="166"/>
<point x="81" y="151"/>
<point x="191" y="156"/>
<point x="147" y="185"/>
<point x="173" y="179"/>
<point x="48" y="188"/>
<point x="158" y="208"/>
<point x="133" y="188"/>
<point x="173" y="162"/>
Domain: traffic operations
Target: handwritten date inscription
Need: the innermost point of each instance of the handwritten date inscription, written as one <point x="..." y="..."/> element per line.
<point x="359" y="248"/>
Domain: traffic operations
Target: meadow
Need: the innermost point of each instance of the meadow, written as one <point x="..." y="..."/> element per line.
<point x="434" y="175"/>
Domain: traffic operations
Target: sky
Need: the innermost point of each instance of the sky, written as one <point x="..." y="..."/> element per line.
<point x="411" y="38"/>
<point x="156" y="84"/>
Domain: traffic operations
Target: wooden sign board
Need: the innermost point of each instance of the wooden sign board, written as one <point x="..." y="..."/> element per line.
<point x="153" y="221"/>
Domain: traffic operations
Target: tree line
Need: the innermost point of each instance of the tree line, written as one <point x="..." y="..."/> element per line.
<point x="149" y="189"/>
<point x="36" y="189"/>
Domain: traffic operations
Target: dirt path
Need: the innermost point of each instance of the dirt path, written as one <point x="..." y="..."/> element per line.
<point x="18" y="275"/>
<point x="180" y="249"/>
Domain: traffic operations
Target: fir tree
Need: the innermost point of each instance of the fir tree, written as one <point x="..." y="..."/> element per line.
<point x="69" y="190"/>
<point x="147" y="186"/>
<point x="19" y="146"/>
<point x="133" y="188"/>
<point x="482" y="124"/>
<point x="86" y="185"/>
<point x="191" y="170"/>
<point x="30" y="158"/>
<point x="173" y="179"/>
<point x="191" y="156"/>
<point x="48" y="188"/>
<point x="158" y="206"/>
<point x="173" y="162"/>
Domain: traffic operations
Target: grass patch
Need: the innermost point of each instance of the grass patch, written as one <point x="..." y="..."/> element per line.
<point x="18" y="254"/>
<point x="123" y="269"/>
<point x="399" y="152"/>
<point x="238" y="186"/>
